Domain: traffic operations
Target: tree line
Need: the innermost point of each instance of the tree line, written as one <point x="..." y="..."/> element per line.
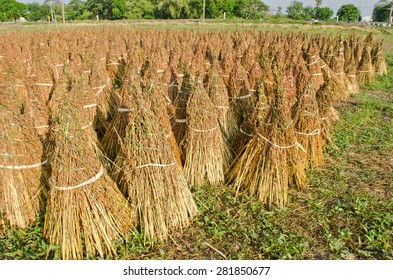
<point x="135" y="9"/>
<point x="179" y="9"/>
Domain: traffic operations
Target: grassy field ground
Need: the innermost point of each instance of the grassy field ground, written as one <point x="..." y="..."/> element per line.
<point x="345" y="213"/>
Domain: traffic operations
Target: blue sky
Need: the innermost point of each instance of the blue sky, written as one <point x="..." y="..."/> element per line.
<point x="366" y="6"/>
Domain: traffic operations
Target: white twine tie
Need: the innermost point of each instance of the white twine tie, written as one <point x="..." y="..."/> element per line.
<point x="89" y="106"/>
<point x="202" y="130"/>
<point x="44" y="85"/>
<point x="282" y="147"/>
<point x="315" y="132"/>
<point x="156" y="165"/>
<point x="91" y="180"/>
<point x="124" y="110"/>
<point x="18" y="167"/>
<point x="242" y="97"/>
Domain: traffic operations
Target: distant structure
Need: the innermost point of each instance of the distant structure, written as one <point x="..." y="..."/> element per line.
<point x="367" y="19"/>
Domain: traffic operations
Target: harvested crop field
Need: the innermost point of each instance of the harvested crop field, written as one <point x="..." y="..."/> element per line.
<point x="154" y="143"/>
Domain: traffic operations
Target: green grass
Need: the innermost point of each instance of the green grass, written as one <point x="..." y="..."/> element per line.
<point x="367" y="126"/>
<point x="19" y="244"/>
<point x="345" y="213"/>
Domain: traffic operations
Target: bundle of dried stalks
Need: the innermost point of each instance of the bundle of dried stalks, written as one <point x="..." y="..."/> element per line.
<point x="263" y="168"/>
<point x="248" y="57"/>
<point x="124" y="104"/>
<point x="22" y="191"/>
<point x="179" y="126"/>
<point x="86" y="211"/>
<point x="239" y="43"/>
<point x="184" y="64"/>
<point x="242" y="100"/>
<point x="368" y="41"/>
<point x="162" y="106"/>
<point x="107" y="101"/>
<point x="247" y="129"/>
<point x="173" y="85"/>
<point x="351" y="43"/>
<point x="115" y="66"/>
<point x="308" y="125"/>
<point x="338" y="76"/>
<point x="357" y="47"/>
<point x="302" y="75"/>
<point x="227" y="62"/>
<point x="104" y="91"/>
<point x="147" y="172"/>
<point x="328" y="54"/>
<point x="378" y="59"/>
<point x="340" y="85"/>
<point x="365" y="71"/>
<point x="40" y="84"/>
<point x="265" y="93"/>
<point x="199" y="63"/>
<point x="167" y="79"/>
<point x="166" y="113"/>
<point x="206" y="151"/>
<point x="350" y="70"/>
<point x="289" y="74"/>
<point x="338" y="58"/>
<point x="218" y="94"/>
<point x="254" y="76"/>
<point x="327" y="112"/>
<point x="297" y="157"/>
<point x="212" y="50"/>
<point x="314" y="65"/>
<point x="267" y="79"/>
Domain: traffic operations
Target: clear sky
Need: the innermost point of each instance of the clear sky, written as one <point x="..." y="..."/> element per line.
<point x="366" y="6"/>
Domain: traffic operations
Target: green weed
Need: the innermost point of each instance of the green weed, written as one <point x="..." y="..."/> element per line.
<point x="20" y="244"/>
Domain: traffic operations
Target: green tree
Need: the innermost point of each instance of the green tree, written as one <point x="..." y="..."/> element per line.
<point x="382" y="10"/>
<point x="279" y="11"/>
<point x="297" y="11"/>
<point x="309" y="13"/>
<point x="250" y="9"/>
<point x="174" y="9"/>
<point x="324" y="13"/>
<point x="214" y="8"/>
<point x="139" y="9"/>
<point x="348" y="12"/>
<point x="75" y="10"/>
<point x="196" y="7"/>
<point x="102" y="8"/>
<point x="11" y="10"/>
<point x="86" y="15"/>
<point x="36" y="12"/>
<point x="118" y="9"/>
<point x="227" y="6"/>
